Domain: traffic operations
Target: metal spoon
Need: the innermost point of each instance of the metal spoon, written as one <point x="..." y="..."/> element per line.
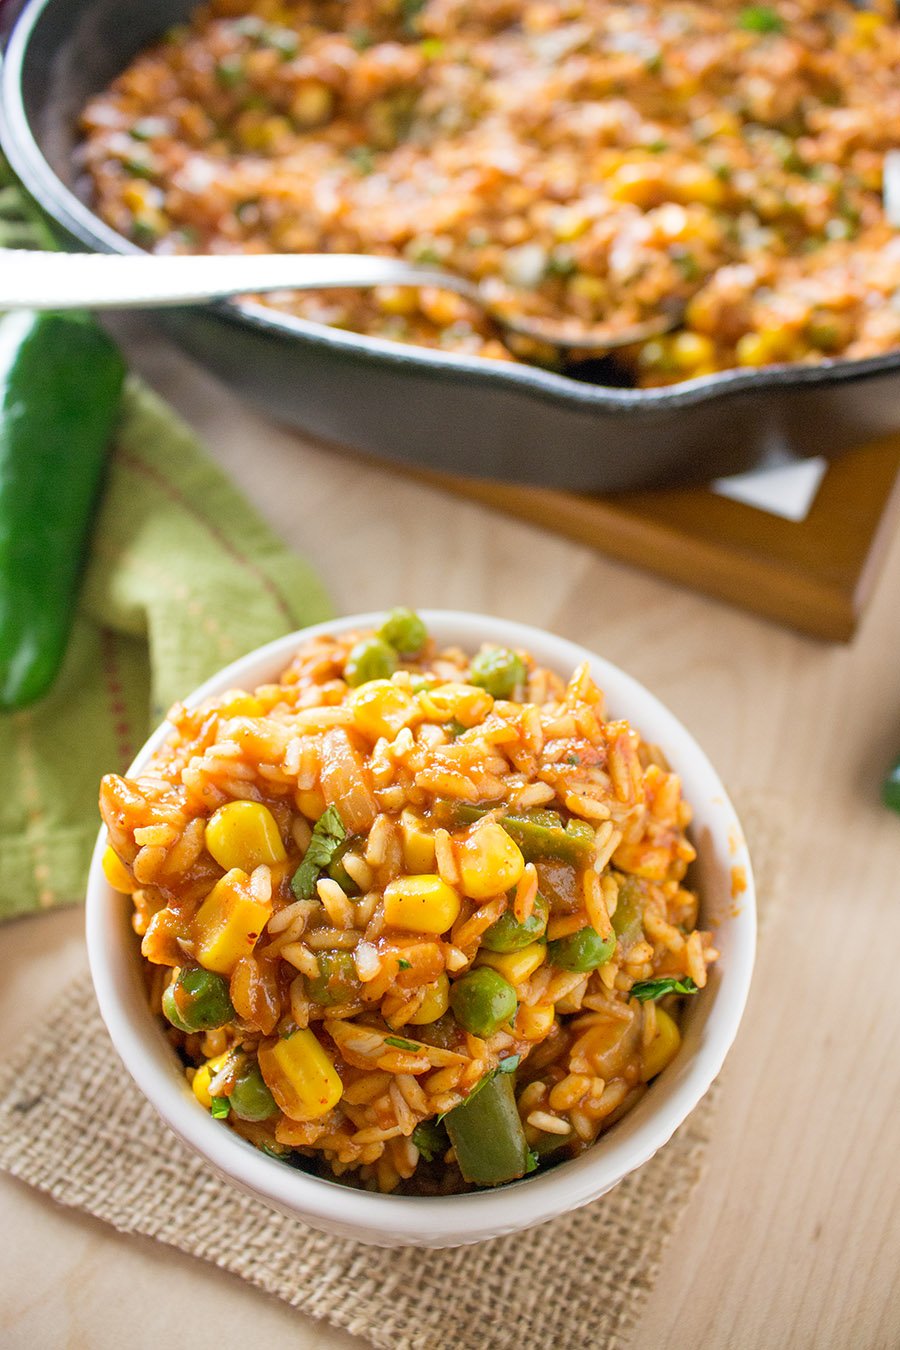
<point x="32" y="280"/>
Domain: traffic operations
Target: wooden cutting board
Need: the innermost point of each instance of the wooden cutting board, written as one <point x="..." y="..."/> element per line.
<point x="815" y="575"/>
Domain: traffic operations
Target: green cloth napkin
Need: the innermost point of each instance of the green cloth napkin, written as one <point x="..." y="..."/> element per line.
<point x="182" y="578"/>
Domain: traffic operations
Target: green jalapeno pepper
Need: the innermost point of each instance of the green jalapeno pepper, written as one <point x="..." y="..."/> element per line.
<point x="60" y="388"/>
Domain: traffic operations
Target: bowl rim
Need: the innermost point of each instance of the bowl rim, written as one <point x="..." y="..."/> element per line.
<point x="429" y="1221"/>
<point x="24" y="153"/>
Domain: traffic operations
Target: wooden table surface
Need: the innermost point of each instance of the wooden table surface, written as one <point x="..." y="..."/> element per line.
<point x="793" y="1239"/>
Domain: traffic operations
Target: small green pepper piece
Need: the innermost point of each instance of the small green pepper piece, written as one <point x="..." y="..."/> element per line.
<point x="539" y="834"/>
<point x="482" y="1001"/>
<point x="628" y="920"/>
<point x="250" y="1098"/>
<point x="506" y="934"/>
<point x="336" y="982"/>
<point x="198" y="1000"/>
<point x="498" y="670"/>
<point x="581" y="951"/>
<point x="404" y="631"/>
<point x="487" y="1135"/>
<point x="371" y="659"/>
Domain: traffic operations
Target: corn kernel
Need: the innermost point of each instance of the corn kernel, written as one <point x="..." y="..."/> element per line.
<point x="422" y="904"/>
<point x="396" y="300"/>
<point x="244" y="834"/>
<point x="238" y="704"/>
<point x="418" y="843"/>
<point x="764" y="347"/>
<point x="380" y="708"/>
<point x="465" y="703"/>
<point x="310" y="802"/>
<point x="691" y="350"/>
<point x="663" y="1048"/>
<point x="441" y="307"/>
<point x="312" y="104"/>
<point x="434" y="1004"/>
<point x="117" y="873"/>
<point x="639" y="184"/>
<point x="570" y="223"/>
<point x="751" y="350"/>
<point x="696" y="183"/>
<point x="204" y="1076"/>
<point x="300" y="1075"/>
<point x="585" y="287"/>
<point x="228" y="923"/>
<point x="489" y="862"/>
<point x="515" y="966"/>
<point x="534" y="1023"/>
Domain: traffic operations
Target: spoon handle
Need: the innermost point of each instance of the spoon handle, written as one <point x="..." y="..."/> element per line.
<point x="32" y="280"/>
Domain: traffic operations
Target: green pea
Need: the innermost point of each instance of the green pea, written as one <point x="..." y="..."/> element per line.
<point x="198" y="1000"/>
<point x="371" y="659"/>
<point x="581" y="951"/>
<point x="506" y="934"/>
<point x="250" y="1098"/>
<point x="337" y="980"/>
<point x="497" y="670"/>
<point x="482" y="1001"/>
<point x="405" y="631"/>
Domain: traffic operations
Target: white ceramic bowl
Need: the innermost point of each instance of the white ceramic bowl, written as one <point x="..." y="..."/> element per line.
<point x="711" y="1020"/>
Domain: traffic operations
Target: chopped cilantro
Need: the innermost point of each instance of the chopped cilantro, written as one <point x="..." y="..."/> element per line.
<point x="400" y="1044"/>
<point x="508" y="1065"/>
<point x="561" y="263"/>
<point x="410" y="11"/>
<point x="146" y="128"/>
<point x="327" y="836"/>
<point x="144" y="231"/>
<point x="403" y="964"/>
<point x="424" y="253"/>
<point x="138" y="168"/>
<point x="219" y="1107"/>
<point x="532" y="1163"/>
<point x="687" y="264"/>
<point x="760" y="19"/>
<point x="281" y="40"/>
<point x="229" y="71"/>
<point x="362" y="158"/>
<point x="430" y="1139"/>
<point x="648" y="991"/>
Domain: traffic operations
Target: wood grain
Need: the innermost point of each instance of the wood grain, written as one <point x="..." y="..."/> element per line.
<point x="816" y="575"/>
<point x="792" y="1242"/>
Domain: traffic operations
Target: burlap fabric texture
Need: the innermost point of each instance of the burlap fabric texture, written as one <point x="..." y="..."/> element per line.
<point x="75" y="1126"/>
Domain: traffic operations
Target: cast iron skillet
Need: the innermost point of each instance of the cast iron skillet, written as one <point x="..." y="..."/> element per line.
<point x="461" y="414"/>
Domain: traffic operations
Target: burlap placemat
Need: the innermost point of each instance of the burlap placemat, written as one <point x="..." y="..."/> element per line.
<point x="75" y="1126"/>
